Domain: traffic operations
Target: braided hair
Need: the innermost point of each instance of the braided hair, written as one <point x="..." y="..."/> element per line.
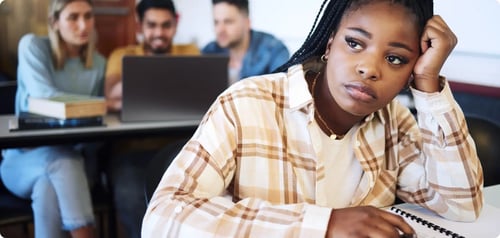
<point x="332" y="11"/>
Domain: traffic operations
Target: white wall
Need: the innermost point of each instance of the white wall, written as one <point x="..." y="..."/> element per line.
<point x="476" y="59"/>
<point x="287" y="20"/>
<point x="475" y="22"/>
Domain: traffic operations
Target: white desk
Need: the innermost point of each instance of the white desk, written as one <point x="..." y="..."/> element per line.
<point x="113" y="129"/>
<point x="492" y="195"/>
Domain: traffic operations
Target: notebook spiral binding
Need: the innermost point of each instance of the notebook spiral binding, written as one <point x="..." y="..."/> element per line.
<point x="426" y="223"/>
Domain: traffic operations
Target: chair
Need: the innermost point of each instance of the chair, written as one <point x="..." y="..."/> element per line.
<point x="157" y="166"/>
<point x="486" y="135"/>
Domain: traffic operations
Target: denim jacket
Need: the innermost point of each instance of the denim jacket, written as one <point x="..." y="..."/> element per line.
<point x="264" y="55"/>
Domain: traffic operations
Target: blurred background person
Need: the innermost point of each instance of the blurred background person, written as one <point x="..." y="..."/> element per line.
<point x="157" y="25"/>
<point x="250" y="52"/>
<point x="158" y="22"/>
<point x="54" y="177"/>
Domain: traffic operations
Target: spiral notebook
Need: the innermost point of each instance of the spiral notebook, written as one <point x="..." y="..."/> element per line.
<point x="430" y="225"/>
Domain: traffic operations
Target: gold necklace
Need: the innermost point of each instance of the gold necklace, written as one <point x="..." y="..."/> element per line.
<point x="332" y="135"/>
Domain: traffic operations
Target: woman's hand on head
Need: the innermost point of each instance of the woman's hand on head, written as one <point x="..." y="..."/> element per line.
<point x="366" y="221"/>
<point x="436" y="43"/>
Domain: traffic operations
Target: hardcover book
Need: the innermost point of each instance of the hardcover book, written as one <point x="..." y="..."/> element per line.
<point x="30" y="121"/>
<point x="68" y="106"/>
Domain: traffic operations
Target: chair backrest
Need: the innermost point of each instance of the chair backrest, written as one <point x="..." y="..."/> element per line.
<point x="158" y="165"/>
<point x="7" y="96"/>
<point x="486" y="135"/>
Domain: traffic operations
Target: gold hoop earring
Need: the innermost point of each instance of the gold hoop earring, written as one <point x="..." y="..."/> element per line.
<point x="324" y="59"/>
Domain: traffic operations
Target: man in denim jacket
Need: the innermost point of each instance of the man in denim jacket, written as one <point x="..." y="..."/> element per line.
<point x="250" y="52"/>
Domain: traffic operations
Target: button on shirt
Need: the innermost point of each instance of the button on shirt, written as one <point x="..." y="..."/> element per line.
<point x="251" y="168"/>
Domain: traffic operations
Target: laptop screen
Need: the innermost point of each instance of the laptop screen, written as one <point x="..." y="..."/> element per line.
<point x="171" y="88"/>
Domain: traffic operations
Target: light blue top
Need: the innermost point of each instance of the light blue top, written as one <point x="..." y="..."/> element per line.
<point x="37" y="76"/>
<point x="264" y="55"/>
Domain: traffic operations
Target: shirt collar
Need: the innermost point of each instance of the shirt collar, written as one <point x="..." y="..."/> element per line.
<point x="298" y="89"/>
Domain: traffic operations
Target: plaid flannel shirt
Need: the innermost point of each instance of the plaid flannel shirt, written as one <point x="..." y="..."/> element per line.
<point x="250" y="169"/>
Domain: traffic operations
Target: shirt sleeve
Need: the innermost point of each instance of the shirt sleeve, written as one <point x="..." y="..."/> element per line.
<point x="114" y="65"/>
<point x="211" y="48"/>
<point x="445" y="174"/>
<point x="185" y="49"/>
<point x="35" y="67"/>
<point x="100" y="64"/>
<point x="193" y="198"/>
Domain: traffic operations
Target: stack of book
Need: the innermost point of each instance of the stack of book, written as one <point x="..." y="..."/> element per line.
<point x="64" y="111"/>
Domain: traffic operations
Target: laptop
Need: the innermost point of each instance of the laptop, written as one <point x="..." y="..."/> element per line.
<point x="171" y="88"/>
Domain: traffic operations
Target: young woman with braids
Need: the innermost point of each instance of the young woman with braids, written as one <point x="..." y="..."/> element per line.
<point x="317" y="149"/>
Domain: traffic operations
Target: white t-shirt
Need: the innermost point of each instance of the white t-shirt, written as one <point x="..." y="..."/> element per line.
<point x="342" y="170"/>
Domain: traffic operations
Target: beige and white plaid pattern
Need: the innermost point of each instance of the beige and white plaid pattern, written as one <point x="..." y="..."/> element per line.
<point x="250" y="169"/>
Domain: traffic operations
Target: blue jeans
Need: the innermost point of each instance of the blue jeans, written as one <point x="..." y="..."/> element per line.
<point x="54" y="178"/>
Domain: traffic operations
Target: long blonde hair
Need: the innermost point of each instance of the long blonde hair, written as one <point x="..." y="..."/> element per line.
<point x="59" y="52"/>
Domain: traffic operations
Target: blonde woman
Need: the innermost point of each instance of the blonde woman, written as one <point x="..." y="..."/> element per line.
<point x="54" y="176"/>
